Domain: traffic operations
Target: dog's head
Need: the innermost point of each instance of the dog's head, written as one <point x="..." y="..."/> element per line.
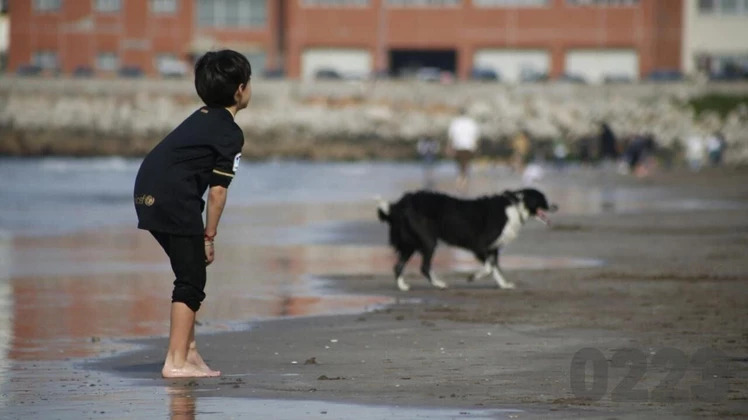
<point x="534" y="203"/>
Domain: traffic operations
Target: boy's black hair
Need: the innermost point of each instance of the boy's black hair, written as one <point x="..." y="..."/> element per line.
<point x="218" y="74"/>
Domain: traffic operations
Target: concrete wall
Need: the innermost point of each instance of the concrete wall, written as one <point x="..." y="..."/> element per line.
<point x="348" y="119"/>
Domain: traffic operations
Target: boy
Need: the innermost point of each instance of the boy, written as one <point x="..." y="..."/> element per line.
<point x="202" y="151"/>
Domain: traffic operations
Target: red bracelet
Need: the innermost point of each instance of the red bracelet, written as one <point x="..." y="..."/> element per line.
<point x="209" y="238"/>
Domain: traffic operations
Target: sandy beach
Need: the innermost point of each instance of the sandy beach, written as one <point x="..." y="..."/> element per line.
<point x="644" y="272"/>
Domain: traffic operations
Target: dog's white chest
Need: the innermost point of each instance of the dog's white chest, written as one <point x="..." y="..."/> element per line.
<point x="511" y="229"/>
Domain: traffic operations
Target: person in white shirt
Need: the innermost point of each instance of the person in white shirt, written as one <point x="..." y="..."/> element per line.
<point x="463" y="142"/>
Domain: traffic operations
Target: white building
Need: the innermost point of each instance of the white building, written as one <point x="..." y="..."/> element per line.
<point x="4" y="33"/>
<point x="715" y="35"/>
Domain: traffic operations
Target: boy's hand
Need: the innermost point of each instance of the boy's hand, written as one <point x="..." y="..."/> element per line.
<point x="210" y="252"/>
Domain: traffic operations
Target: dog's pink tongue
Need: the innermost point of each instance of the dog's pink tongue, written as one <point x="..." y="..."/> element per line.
<point x="540" y="214"/>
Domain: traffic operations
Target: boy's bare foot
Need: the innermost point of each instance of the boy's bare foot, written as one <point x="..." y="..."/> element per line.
<point x="187" y="371"/>
<point x="194" y="358"/>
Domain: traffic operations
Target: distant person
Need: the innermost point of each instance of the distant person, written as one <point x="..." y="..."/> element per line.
<point x="428" y="150"/>
<point x="695" y="152"/>
<point x="715" y="146"/>
<point x="560" y="152"/>
<point x="637" y="154"/>
<point x="520" y="150"/>
<point x="202" y="152"/>
<point x="585" y="150"/>
<point x="608" y="143"/>
<point x="463" y="143"/>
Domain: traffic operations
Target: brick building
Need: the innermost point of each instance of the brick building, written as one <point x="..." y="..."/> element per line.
<point x="141" y="35"/>
<point x="518" y="39"/>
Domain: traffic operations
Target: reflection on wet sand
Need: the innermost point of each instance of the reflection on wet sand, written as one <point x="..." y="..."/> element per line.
<point x="182" y="404"/>
<point x="72" y="295"/>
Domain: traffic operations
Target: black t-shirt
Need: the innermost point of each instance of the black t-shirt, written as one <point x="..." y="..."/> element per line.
<point x="203" y="150"/>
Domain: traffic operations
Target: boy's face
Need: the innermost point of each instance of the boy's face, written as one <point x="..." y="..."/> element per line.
<point x="243" y="95"/>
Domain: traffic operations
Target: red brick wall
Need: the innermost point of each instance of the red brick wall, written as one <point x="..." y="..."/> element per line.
<point x="134" y="33"/>
<point x="652" y="28"/>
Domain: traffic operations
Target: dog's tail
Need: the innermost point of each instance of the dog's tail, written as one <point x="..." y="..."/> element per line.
<point x="383" y="209"/>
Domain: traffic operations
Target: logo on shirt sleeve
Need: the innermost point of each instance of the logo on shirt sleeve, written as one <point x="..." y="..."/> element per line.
<point x="237" y="158"/>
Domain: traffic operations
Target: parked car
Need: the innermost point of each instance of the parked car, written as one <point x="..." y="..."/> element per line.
<point x="83" y="72"/>
<point x="617" y="78"/>
<point x="274" y="74"/>
<point x="572" y="78"/>
<point x="429" y="74"/>
<point x="29" y="70"/>
<point x="327" y="74"/>
<point x="172" y="68"/>
<point x="485" y="74"/>
<point x="665" y="76"/>
<point x="530" y="76"/>
<point x="130" y="71"/>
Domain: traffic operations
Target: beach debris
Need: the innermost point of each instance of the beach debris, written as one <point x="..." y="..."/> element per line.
<point x="333" y="340"/>
<point x="311" y="361"/>
<point x="327" y="378"/>
<point x="95" y="339"/>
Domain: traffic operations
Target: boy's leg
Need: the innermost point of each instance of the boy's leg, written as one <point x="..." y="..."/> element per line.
<point x="193" y="356"/>
<point x="187" y="256"/>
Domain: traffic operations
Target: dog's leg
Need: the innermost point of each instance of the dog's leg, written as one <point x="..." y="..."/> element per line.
<point x="498" y="276"/>
<point x="483" y="272"/>
<point x="403" y="257"/>
<point x="426" y="268"/>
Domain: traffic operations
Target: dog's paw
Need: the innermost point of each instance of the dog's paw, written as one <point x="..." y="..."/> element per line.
<point x="402" y="285"/>
<point x="438" y="283"/>
<point x="508" y="285"/>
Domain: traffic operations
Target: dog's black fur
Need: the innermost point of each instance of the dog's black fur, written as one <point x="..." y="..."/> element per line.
<point x="483" y="225"/>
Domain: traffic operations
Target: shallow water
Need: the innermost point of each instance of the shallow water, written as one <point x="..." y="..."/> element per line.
<point x="76" y="277"/>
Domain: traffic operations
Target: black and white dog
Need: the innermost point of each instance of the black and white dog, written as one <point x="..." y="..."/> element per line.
<point x="483" y="225"/>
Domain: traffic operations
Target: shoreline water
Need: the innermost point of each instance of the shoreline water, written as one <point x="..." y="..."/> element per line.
<point x="422" y="352"/>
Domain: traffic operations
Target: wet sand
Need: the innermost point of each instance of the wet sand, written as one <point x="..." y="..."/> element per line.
<point x="668" y="272"/>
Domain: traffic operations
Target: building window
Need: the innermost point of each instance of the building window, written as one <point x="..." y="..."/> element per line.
<point x="335" y="3"/>
<point x="107" y="61"/>
<point x="729" y="7"/>
<point x="47" y="5"/>
<point x="45" y="59"/>
<point x="603" y="3"/>
<point x="232" y="13"/>
<point x="706" y="6"/>
<point x="108" y="6"/>
<point x="510" y="3"/>
<point x="423" y="3"/>
<point x="164" y="6"/>
<point x="723" y="7"/>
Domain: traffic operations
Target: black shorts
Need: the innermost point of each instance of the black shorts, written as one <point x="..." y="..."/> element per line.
<point x="187" y="257"/>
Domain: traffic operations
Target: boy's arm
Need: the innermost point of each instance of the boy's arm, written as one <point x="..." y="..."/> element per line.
<point x="216" y="202"/>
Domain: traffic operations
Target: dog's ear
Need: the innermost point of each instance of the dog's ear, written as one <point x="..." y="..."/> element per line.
<point x="511" y="196"/>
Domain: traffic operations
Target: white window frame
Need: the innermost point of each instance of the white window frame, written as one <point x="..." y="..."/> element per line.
<point x="46" y="59"/>
<point x="106" y="57"/>
<point x="424" y="3"/>
<point x="47" y="6"/>
<point x="489" y="4"/>
<point x="247" y="18"/>
<point x="603" y="3"/>
<point x="107" y="6"/>
<point x="163" y="7"/>
<point x="335" y="3"/>
<point x="718" y="8"/>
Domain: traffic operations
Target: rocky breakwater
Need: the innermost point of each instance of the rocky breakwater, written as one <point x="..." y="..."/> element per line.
<point x="353" y="120"/>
